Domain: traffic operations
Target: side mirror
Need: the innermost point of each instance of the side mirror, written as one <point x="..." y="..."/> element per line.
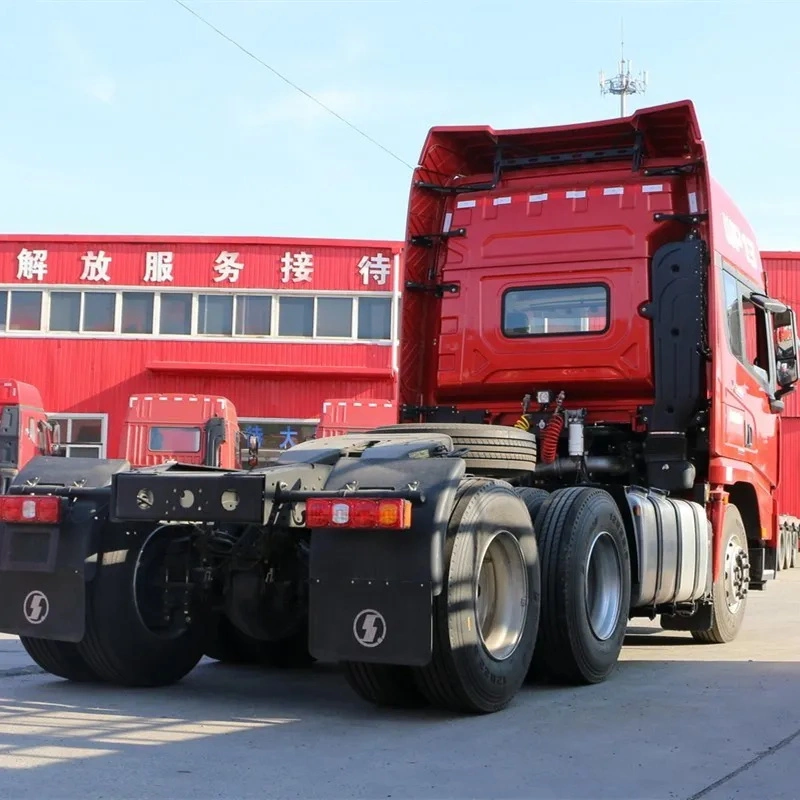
<point x="770" y="304"/>
<point x="785" y="337"/>
<point x="252" y="451"/>
<point x="55" y="444"/>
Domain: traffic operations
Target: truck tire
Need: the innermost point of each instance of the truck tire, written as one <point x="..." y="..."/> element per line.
<point x="586" y="587"/>
<point x="784" y="548"/>
<point x="225" y="643"/>
<point x="290" y="652"/>
<point x="727" y="613"/>
<point x="61" y="659"/>
<point x="494" y="450"/>
<point x="486" y="618"/>
<point x="124" y="643"/>
<point x="387" y="685"/>
<point x="534" y="499"/>
<point x="793" y="547"/>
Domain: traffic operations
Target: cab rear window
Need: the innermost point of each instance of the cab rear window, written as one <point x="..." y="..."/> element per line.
<point x="555" y="310"/>
<point x="166" y="439"/>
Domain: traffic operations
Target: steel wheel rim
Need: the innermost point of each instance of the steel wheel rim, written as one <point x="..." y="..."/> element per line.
<point x="736" y="575"/>
<point x="501" y="591"/>
<point x="141" y="571"/>
<point x="603" y="587"/>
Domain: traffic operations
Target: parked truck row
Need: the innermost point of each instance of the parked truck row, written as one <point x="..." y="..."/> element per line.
<point x="592" y="375"/>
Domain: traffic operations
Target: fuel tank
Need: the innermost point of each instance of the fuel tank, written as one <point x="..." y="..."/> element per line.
<point x="673" y="539"/>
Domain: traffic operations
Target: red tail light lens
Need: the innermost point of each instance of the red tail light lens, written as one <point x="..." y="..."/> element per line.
<point x="324" y="512"/>
<point x="30" y="508"/>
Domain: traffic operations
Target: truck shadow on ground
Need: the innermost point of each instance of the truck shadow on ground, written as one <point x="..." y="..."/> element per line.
<point x="225" y="729"/>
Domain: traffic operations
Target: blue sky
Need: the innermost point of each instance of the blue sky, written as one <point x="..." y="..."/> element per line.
<point x="130" y="116"/>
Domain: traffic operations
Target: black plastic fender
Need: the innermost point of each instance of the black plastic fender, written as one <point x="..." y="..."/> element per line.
<point x="364" y="583"/>
<point x="44" y="569"/>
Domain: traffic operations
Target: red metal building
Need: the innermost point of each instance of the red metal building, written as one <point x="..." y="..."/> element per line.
<point x="783" y="282"/>
<point x="276" y="325"/>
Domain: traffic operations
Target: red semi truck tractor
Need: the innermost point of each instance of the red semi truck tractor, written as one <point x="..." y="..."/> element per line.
<point x="24" y="430"/>
<point x="592" y="378"/>
<point x="189" y="428"/>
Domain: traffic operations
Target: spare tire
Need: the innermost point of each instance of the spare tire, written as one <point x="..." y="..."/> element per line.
<point x="494" y="450"/>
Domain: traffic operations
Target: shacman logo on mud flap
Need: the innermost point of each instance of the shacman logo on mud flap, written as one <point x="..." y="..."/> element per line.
<point x="369" y="627"/>
<point x="36" y="607"/>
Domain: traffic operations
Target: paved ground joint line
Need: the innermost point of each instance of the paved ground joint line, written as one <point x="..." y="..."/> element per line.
<point x="751" y="763"/>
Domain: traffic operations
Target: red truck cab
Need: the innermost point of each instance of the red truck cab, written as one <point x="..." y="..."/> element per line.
<point x="24" y="429"/>
<point x="340" y="416"/>
<point x="189" y="428"/>
<point x="598" y="278"/>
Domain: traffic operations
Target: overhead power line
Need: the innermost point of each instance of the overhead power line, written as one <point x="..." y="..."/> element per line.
<point x="290" y="83"/>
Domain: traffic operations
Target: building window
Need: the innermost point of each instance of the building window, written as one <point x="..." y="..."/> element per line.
<point x="215" y="315"/>
<point x="137" y="312"/>
<point x="82" y="435"/>
<point x="374" y="318"/>
<point x="175" y="316"/>
<point x="25" y="313"/>
<point x="99" y="309"/>
<point x="275" y="435"/>
<point x="296" y="316"/>
<point x="65" y="311"/>
<point x="253" y="315"/>
<point x="334" y="317"/>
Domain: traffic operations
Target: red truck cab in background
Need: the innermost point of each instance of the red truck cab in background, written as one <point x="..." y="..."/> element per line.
<point x="189" y="428"/>
<point x="24" y="429"/>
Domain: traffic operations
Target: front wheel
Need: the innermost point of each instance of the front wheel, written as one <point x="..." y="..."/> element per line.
<point x="486" y="618"/>
<point x="730" y="592"/>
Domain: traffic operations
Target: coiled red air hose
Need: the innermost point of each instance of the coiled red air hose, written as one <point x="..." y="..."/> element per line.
<point x="550" y="435"/>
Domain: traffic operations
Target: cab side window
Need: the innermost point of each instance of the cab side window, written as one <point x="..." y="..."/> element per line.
<point x="747" y="329"/>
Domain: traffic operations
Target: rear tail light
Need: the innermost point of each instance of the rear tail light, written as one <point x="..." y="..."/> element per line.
<point x="45" y="510"/>
<point x="324" y="512"/>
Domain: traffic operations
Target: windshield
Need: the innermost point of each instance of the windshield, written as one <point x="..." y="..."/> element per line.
<point x="167" y="439"/>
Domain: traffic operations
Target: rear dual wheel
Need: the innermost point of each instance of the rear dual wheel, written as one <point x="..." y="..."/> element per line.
<point x="486" y="618"/>
<point x="586" y="586"/>
<point x="62" y="659"/>
<point x="129" y="639"/>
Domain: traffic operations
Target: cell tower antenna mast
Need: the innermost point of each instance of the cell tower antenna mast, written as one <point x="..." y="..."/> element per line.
<point x="624" y="83"/>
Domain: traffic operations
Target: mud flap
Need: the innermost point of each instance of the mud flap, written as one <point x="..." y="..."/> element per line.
<point x="371" y="591"/>
<point x="43" y="574"/>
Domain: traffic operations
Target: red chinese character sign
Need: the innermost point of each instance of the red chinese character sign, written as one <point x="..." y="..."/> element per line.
<point x="225" y="264"/>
